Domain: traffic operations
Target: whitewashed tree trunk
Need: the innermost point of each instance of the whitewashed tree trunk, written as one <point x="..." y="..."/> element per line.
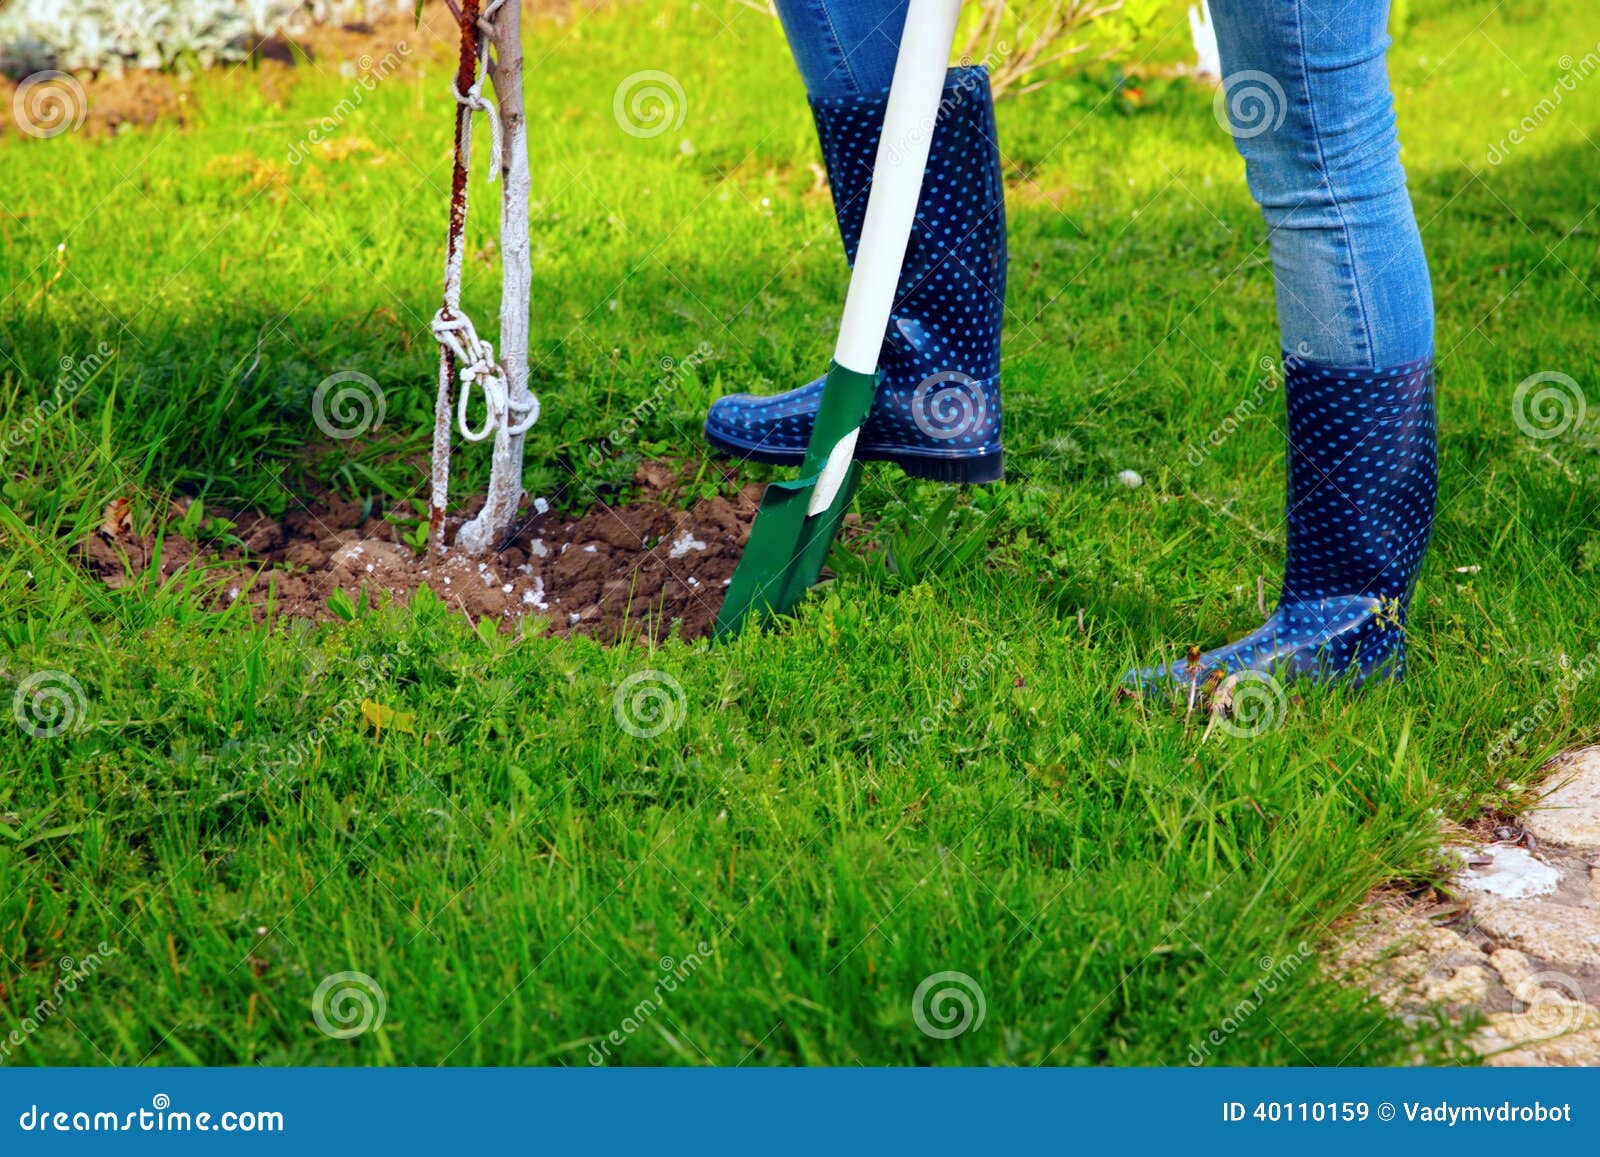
<point x="494" y="522"/>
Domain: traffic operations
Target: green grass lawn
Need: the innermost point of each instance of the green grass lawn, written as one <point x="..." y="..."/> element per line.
<point x="923" y="773"/>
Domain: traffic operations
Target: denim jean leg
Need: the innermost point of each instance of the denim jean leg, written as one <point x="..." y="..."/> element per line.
<point x="1307" y="100"/>
<point x="844" y="47"/>
<point x="1307" y="92"/>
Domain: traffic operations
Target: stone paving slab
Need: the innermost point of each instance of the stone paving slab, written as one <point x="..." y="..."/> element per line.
<point x="1570" y="814"/>
<point x="1567" y="937"/>
<point x="1521" y="944"/>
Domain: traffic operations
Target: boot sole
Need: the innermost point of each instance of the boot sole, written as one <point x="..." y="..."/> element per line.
<point x="973" y="469"/>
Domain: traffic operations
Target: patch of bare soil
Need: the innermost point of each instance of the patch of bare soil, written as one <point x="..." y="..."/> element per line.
<point x="135" y="98"/>
<point x="640" y="570"/>
<point x="111" y="101"/>
<point x="141" y="97"/>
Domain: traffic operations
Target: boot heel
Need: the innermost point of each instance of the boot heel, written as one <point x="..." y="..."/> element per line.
<point x="978" y="471"/>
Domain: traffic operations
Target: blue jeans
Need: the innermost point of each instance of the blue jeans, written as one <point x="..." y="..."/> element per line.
<point x="1308" y="104"/>
<point x="844" y="47"/>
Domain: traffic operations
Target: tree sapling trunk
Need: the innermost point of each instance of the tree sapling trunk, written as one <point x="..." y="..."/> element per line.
<point x="494" y="522"/>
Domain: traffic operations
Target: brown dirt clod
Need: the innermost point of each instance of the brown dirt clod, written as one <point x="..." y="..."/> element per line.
<point x="615" y="573"/>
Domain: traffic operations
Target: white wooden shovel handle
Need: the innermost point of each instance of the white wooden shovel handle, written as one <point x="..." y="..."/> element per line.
<point x="919" y="79"/>
<point x="908" y="122"/>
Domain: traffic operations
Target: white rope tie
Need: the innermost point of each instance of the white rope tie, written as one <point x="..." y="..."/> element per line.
<point x="476" y="359"/>
<point x="473" y="101"/>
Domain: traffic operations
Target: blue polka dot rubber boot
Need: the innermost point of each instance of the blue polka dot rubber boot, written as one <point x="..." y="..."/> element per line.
<point x="937" y="410"/>
<point x="1363" y="467"/>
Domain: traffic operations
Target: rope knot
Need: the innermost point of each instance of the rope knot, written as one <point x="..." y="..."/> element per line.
<point x="478" y="365"/>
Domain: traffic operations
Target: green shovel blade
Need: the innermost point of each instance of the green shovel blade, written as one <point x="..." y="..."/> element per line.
<point x="788" y="546"/>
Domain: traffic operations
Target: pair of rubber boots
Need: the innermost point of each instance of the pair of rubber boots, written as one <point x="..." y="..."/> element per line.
<point x="1362" y="443"/>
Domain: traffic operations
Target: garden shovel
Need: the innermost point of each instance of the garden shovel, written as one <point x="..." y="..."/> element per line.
<point x="798" y="520"/>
